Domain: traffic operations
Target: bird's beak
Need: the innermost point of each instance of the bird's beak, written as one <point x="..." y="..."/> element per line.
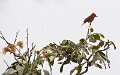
<point x="96" y="16"/>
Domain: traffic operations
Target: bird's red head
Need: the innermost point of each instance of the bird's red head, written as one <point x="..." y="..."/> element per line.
<point x="94" y="15"/>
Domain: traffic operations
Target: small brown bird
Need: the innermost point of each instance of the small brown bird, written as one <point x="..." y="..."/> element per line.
<point x="90" y="18"/>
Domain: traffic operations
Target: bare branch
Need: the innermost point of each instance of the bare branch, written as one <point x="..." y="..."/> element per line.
<point x="6" y="63"/>
<point x="2" y="37"/>
<point x="16" y="37"/>
<point x="27" y="45"/>
<point x="88" y="31"/>
<point x="31" y="51"/>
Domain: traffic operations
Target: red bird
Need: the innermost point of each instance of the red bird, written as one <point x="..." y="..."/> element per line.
<point x="90" y="18"/>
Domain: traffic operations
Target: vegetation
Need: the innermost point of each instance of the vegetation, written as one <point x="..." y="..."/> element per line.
<point x="91" y="50"/>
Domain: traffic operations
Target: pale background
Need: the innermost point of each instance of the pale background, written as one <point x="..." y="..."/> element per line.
<point x="55" y="20"/>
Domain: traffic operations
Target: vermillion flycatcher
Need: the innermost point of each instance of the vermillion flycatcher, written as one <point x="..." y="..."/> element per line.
<point x="90" y="18"/>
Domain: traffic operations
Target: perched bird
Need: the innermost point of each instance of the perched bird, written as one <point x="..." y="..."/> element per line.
<point x="90" y="18"/>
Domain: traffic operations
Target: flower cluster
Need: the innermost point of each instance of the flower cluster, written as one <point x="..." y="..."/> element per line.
<point x="12" y="47"/>
<point x="9" y="48"/>
<point x="20" y="44"/>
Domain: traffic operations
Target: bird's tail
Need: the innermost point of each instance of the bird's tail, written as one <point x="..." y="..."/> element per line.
<point x="82" y="24"/>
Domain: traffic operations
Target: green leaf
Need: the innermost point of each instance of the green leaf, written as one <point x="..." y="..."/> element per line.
<point x="105" y="58"/>
<point x="10" y="71"/>
<point x="96" y="36"/>
<point x="64" y="48"/>
<point x="86" y="51"/>
<point x="100" y="59"/>
<point x="27" y="67"/>
<point x="60" y="57"/>
<point x="83" y="55"/>
<point x="46" y="72"/>
<point x="67" y="42"/>
<point x="101" y="53"/>
<point x="64" y="42"/>
<point x="91" y="39"/>
<point x="102" y="35"/>
<point x="40" y="61"/>
<point x="38" y="72"/>
<point x="74" y="59"/>
<point x="98" y="65"/>
<point x="95" y="57"/>
<point x="51" y="62"/>
<point x="90" y="48"/>
<point x="72" y="71"/>
<point x="69" y="50"/>
<point x="106" y="44"/>
<point x="94" y="49"/>
<point x="14" y="67"/>
<point x="15" y="63"/>
<point x="61" y="68"/>
<point x="82" y="41"/>
<point x="19" y="69"/>
<point x="101" y="43"/>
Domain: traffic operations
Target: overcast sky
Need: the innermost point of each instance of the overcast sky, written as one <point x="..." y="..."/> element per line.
<point x="55" y="20"/>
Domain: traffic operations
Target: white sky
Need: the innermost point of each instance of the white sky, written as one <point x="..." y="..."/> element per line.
<point x="55" y="20"/>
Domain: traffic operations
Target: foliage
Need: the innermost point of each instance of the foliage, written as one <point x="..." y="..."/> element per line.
<point x="89" y="51"/>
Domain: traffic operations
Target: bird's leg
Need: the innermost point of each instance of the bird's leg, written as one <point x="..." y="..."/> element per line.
<point x="87" y="34"/>
<point x="88" y="31"/>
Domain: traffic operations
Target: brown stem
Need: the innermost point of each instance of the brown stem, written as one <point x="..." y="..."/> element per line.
<point x="2" y="37"/>
<point x="87" y="34"/>
<point x="88" y="31"/>
<point x="27" y="45"/>
<point x="6" y="63"/>
<point x="16" y="37"/>
<point x="33" y="47"/>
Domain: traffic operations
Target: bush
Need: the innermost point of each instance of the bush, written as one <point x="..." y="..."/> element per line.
<point x="91" y="50"/>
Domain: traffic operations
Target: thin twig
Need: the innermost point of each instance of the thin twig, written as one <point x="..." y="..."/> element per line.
<point x="31" y="51"/>
<point x="2" y="37"/>
<point x="88" y="31"/>
<point x="34" y="56"/>
<point x="87" y="34"/>
<point x="16" y="37"/>
<point x="15" y="57"/>
<point x="27" y="45"/>
<point x="6" y="63"/>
